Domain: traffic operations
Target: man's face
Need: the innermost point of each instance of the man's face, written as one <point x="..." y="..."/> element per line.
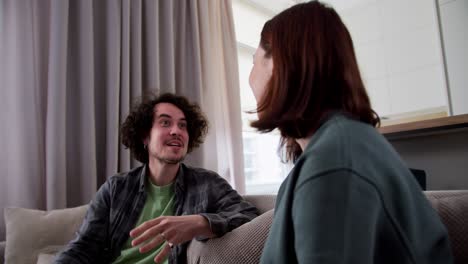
<point x="168" y="138"/>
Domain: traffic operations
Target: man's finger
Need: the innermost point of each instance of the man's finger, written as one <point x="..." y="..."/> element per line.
<point x="154" y="232"/>
<point x="152" y="244"/>
<point x="145" y="226"/>
<point x="163" y="253"/>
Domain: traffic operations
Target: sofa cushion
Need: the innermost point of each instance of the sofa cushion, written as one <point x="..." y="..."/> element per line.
<point x="47" y="255"/>
<point x="263" y="202"/>
<point x="242" y="245"/>
<point x="452" y="207"/>
<point x="45" y="258"/>
<point x="29" y="232"/>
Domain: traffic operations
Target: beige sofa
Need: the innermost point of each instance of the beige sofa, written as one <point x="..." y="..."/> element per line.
<point x="37" y="235"/>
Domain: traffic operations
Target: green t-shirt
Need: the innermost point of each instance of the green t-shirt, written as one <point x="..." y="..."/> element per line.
<point x="159" y="202"/>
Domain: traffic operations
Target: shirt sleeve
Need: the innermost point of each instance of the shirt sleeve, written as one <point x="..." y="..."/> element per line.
<point x="90" y="241"/>
<point x="228" y="209"/>
<point x="335" y="216"/>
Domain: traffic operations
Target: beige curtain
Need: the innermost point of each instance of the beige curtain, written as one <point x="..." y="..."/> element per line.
<point x="71" y="70"/>
<point x="223" y="151"/>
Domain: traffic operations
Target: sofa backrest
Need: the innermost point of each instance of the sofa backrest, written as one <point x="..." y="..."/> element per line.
<point x="452" y="207"/>
<point x="264" y="202"/>
<point x="245" y="244"/>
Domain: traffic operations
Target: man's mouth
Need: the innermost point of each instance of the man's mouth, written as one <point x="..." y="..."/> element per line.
<point x="175" y="143"/>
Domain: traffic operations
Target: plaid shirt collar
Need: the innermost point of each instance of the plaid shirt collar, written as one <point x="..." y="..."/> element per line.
<point x="179" y="180"/>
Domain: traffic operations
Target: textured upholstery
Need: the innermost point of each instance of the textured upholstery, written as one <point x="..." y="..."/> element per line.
<point x="244" y="244"/>
<point x="452" y="207"/>
<point x="36" y="231"/>
<point x="262" y="202"/>
<point x="44" y="258"/>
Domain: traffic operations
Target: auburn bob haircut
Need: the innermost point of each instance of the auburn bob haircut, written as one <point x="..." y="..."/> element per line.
<point x="315" y="72"/>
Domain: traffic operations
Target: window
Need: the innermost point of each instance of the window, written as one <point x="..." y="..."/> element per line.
<point x="263" y="169"/>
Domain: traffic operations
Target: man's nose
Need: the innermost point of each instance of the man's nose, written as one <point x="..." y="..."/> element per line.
<point x="175" y="130"/>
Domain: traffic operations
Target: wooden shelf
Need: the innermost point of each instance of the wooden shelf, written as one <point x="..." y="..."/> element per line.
<point x="438" y="125"/>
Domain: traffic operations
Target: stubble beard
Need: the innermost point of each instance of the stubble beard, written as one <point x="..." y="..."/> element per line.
<point x="162" y="158"/>
<point x="170" y="161"/>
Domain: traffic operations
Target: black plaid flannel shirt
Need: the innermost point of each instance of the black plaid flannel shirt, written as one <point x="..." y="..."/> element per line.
<point x="118" y="203"/>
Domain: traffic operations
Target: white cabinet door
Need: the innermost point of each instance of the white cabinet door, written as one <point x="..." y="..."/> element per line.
<point x="399" y="53"/>
<point x="454" y="21"/>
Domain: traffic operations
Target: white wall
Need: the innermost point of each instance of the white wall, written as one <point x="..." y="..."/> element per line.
<point x="399" y="53"/>
<point x="443" y="156"/>
<point x="454" y="22"/>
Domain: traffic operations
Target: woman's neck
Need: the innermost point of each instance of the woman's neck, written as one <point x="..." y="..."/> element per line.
<point x="303" y="142"/>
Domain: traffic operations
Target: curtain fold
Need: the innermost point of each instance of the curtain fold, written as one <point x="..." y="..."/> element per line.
<point x="220" y="80"/>
<point x="55" y="153"/>
<point x="70" y="72"/>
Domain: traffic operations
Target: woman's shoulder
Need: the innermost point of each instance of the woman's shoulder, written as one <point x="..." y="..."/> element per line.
<point x="341" y="139"/>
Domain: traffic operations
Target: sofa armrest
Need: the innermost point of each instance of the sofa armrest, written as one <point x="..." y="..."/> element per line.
<point x="2" y="251"/>
<point x="242" y="245"/>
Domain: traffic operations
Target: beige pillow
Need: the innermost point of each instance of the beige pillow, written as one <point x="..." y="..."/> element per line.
<point x="47" y="254"/>
<point x="29" y="232"/>
<point x="45" y="258"/>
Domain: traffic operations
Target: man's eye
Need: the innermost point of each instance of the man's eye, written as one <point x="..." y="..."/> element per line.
<point x="165" y="123"/>
<point x="183" y="125"/>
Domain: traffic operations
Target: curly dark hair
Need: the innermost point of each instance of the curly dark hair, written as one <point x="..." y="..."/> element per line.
<point x="139" y="122"/>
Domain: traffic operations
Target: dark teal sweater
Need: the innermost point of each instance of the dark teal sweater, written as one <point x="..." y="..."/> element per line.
<point x="351" y="199"/>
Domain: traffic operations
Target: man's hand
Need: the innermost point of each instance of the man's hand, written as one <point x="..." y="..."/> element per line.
<point x="173" y="229"/>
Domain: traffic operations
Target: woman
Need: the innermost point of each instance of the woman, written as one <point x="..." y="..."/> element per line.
<point x="349" y="198"/>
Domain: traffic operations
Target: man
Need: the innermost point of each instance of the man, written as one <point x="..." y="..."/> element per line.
<point x="150" y="213"/>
